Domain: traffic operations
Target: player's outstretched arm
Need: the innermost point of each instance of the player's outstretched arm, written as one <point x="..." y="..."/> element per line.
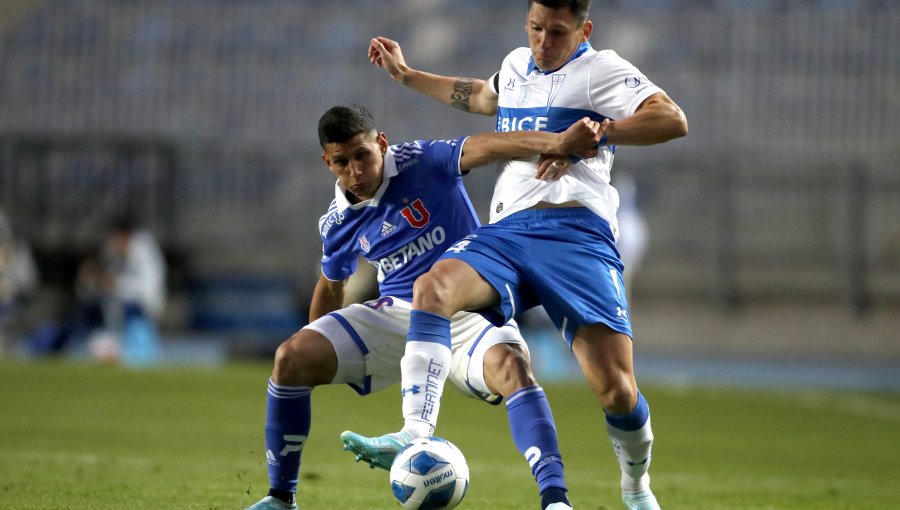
<point x="466" y="94"/>
<point x="327" y="297"/>
<point x="658" y="119"/>
<point x="580" y="138"/>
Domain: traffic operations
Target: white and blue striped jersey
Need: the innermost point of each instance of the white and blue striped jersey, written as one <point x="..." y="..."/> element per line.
<point x="420" y="210"/>
<point x="595" y="84"/>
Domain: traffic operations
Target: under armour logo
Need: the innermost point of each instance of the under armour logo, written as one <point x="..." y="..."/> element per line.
<point x="621" y="312"/>
<point x="413" y="390"/>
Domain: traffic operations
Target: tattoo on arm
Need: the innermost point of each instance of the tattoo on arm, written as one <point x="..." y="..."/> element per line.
<point x="462" y="91"/>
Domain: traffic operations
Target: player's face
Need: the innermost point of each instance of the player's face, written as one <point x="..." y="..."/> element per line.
<point x="358" y="163"/>
<point x="554" y="35"/>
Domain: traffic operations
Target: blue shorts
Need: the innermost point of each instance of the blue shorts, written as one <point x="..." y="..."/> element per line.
<point x="564" y="259"/>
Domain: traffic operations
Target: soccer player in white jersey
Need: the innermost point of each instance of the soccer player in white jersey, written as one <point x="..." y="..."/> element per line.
<point x="399" y="207"/>
<point x="551" y="241"/>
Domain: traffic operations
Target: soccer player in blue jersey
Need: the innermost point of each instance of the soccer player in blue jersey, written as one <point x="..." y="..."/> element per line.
<point x="399" y="207"/>
<point x="546" y="234"/>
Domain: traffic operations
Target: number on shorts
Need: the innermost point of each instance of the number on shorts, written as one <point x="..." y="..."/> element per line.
<point x="377" y="304"/>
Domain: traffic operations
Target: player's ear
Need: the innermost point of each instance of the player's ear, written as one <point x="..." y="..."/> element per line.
<point x="586" y="30"/>
<point x="382" y="142"/>
<point x="326" y="160"/>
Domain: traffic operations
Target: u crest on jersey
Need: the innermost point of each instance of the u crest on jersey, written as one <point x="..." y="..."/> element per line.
<point x="420" y="217"/>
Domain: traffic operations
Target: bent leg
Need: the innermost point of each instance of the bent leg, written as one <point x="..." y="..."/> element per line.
<point x="305" y="360"/>
<point x="507" y="372"/>
<point x="605" y="357"/>
<point x="450" y="286"/>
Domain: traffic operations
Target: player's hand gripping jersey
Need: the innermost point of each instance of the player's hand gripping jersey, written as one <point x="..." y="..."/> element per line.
<point x="419" y="211"/>
<point x="595" y="84"/>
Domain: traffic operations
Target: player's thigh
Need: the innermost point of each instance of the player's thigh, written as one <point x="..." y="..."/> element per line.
<point x="606" y="359"/>
<point x="369" y="340"/>
<point x="452" y="285"/>
<point x="473" y="337"/>
<point x="578" y="277"/>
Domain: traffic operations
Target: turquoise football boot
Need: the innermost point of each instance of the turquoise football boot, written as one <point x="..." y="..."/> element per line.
<point x="375" y="451"/>
<point x="644" y="500"/>
<point x="271" y="503"/>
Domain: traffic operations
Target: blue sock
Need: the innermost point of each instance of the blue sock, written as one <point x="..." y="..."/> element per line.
<point x="633" y="420"/>
<point x="288" y="417"/>
<point x="424" y="369"/>
<point x="428" y="327"/>
<point x="534" y="432"/>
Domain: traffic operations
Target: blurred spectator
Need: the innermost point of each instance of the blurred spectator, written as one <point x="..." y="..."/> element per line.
<point x="124" y="292"/>
<point x="121" y="294"/>
<point x="18" y="282"/>
<point x="633" y="234"/>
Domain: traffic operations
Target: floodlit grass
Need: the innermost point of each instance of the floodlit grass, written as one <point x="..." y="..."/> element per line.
<point x="90" y="437"/>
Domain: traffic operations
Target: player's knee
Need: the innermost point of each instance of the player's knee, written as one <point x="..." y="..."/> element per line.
<point x="507" y="369"/>
<point x="302" y="361"/>
<point x="619" y="397"/>
<point x="432" y="294"/>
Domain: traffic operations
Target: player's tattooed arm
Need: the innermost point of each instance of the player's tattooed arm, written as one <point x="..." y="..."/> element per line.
<point x="467" y="94"/>
<point x="462" y="93"/>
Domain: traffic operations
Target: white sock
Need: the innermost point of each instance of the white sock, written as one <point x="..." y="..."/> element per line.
<point x="425" y="366"/>
<point x="633" y="452"/>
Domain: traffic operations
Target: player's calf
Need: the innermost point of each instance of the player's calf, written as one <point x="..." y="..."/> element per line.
<point x="507" y="369"/>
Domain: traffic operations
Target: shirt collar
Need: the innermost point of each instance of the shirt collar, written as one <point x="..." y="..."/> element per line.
<point x="583" y="47"/>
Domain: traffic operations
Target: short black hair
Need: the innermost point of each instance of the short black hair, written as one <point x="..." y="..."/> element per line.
<point x="341" y="123"/>
<point x="124" y="223"/>
<point x="578" y="8"/>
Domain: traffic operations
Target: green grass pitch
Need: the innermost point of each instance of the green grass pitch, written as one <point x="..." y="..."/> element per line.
<point x="90" y="437"/>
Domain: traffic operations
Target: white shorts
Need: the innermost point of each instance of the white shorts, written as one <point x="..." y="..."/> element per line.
<point x="370" y="339"/>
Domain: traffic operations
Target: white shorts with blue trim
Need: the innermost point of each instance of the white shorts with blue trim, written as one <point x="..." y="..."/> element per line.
<point x="564" y="259"/>
<point x="370" y="340"/>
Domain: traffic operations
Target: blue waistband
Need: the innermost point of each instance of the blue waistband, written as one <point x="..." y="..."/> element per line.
<point x="584" y="216"/>
<point x="559" y="212"/>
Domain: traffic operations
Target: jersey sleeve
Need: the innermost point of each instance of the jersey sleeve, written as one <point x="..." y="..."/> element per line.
<point x="616" y="87"/>
<point x="494" y="83"/>
<point x="338" y="258"/>
<point x="442" y="157"/>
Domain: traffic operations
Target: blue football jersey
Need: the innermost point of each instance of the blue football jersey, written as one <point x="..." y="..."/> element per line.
<point x="420" y="210"/>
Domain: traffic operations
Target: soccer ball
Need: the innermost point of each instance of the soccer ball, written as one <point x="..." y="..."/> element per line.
<point x="429" y="473"/>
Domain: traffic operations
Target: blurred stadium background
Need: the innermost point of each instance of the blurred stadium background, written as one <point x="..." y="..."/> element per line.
<point x="774" y="228"/>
